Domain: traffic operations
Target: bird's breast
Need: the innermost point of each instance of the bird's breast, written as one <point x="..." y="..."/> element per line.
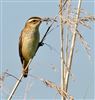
<point x="29" y="45"/>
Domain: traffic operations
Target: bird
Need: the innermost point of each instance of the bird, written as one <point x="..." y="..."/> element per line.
<point x="28" y="42"/>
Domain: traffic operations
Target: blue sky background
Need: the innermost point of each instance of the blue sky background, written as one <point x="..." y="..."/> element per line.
<point x="12" y="20"/>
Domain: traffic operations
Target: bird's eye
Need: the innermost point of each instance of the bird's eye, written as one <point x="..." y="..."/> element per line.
<point x="34" y="20"/>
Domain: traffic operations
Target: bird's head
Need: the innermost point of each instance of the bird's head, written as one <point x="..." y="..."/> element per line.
<point x="34" y="22"/>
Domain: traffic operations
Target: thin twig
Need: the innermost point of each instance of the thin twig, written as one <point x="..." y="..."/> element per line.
<point x="15" y="87"/>
<point x="72" y="45"/>
<point x="18" y="82"/>
<point x="67" y="36"/>
<point x="61" y="47"/>
<point x="51" y="84"/>
<point x="84" y="43"/>
<point x="11" y="75"/>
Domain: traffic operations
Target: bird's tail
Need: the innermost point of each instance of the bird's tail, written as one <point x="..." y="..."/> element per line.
<point x="25" y="70"/>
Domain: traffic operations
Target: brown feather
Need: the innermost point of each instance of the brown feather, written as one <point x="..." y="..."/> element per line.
<point x="24" y="63"/>
<point x="20" y="48"/>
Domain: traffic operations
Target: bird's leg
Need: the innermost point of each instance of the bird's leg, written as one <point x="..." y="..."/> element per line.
<point x="40" y="44"/>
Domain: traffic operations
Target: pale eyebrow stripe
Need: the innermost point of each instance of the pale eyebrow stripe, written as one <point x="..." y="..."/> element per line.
<point x="32" y="20"/>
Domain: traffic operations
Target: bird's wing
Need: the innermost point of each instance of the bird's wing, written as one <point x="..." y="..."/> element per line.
<point x="20" y="48"/>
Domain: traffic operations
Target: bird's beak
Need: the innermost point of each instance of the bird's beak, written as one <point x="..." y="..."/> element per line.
<point x="43" y="20"/>
<point x="48" y="19"/>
